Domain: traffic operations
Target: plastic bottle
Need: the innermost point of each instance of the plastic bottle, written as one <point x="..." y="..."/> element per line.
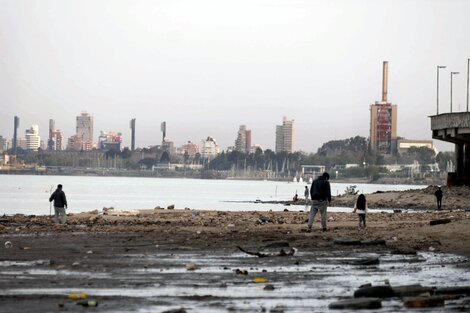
<point x="88" y="303"/>
<point x="78" y="296"/>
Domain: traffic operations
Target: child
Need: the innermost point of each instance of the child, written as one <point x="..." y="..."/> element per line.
<point x="361" y="209"/>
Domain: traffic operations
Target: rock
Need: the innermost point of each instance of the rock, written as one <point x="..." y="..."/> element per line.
<point x="357" y="304"/>
<point x="424" y="302"/>
<point x="396" y="211"/>
<point x="373" y="242"/>
<point x="181" y="310"/>
<point x="368" y="261"/>
<point x="440" y="221"/>
<point x="269" y="287"/>
<point x="347" y="242"/>
<point x="277" y="244"/>
<point x="411" y="290"/>
<point x="374" y="292"/>
<point x="170" y="207"/>
<point x="158" y="208"/>
<point x="460" y="290"/>
<point x="241" y="272"/>
<point x="191" y="266"/>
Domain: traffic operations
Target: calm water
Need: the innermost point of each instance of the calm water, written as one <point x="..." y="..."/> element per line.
<point x="29" y="194"/>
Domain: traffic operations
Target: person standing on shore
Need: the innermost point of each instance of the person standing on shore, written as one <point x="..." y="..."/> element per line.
<point x="439" y="196"/>
<point x="60" y="204"/>
<point x="320" y="193"/>
<point x="306" y="192"/>
<point x="361" y="209"/>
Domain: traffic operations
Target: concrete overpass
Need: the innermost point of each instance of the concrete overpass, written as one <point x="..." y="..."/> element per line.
<point x="455" y="128"/>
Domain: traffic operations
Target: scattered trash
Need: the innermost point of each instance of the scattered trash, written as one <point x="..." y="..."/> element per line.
<point x="8" y="244"/>
<point x="262" y="221"/>
<point x="230" y="225"/>
<point x="431" y="248"/>
<point x="241" y="272"/>
<point x="424" y="302"/>
<point x="194" y="213"/>
<point x="198" y="232"/>
<point x="362" y="303"/>
<point x="291" y="252"/>
<point x="25" y="248"/>
<point x="191" y="266"/>
<point x="158" y="208"/>
<point x="89" y="252"/>
<point x="90" y="303"/>
<point x="260" y="280"/>
<point x="269" y="287"/>
<point x="75" y="264"/>
<point x="78" y="296"/>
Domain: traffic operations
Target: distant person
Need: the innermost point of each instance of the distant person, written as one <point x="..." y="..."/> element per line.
<point x="361" y="209"/>
<point x="320" y="193"/>
<point x="306" y="193"/>
<point x="439" y="196"/>
<point x="60" y="204"/>
<point x="296" y="198"/>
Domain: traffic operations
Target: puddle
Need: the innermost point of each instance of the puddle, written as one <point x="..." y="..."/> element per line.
<point x="305" y="282"/>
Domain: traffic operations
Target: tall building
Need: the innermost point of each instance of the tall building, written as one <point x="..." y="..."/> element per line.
<point x="110" y="141"/>
<point x="57" y="140"/>
<point x="74" y="143"/>
<point x="16" y="124"/>
<point x="163" y="129"/>
<point x="3" y="144"/>
<point x="243" y="141"/>
<point x="209" y="148"/>
<point x="132" y="125"/>
<point x="85" y="130"/>
<point x="33" y="140"/>
<point x="50" y="143"/>
<point x="383" y="121"/>
<point x="285" y="136"/>
<point x="190" y="147"/>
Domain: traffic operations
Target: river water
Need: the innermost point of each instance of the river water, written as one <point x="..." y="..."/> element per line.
<point x="28" y="194"/>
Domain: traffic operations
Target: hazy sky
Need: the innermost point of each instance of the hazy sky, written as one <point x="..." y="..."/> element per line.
<point x="206" y="66"/>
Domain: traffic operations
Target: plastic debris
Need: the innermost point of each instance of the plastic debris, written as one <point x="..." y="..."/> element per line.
<point x="78" y="296"/>
<point x="260" y="280"/>
<point x="8" y="244"/>
<point x="191" y="266"/>
<point x="91" y="303"/>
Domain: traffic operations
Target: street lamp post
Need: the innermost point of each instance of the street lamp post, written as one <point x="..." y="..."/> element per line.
<point x="437" y="100"/>
<point x="451" y="75"/>
<point x="468" y="70"/>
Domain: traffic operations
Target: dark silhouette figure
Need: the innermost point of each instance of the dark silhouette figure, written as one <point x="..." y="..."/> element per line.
<point x="439" y="196"/>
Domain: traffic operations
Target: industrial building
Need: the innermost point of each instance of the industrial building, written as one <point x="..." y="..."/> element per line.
<point x="383" y="121"/>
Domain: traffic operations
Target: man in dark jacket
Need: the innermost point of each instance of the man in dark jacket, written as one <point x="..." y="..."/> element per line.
<point x="320" y="193"/>
<point x="439" y="195"/>
<point x="60" y="204"/>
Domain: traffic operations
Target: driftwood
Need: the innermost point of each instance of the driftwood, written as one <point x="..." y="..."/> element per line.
<point x="269" y="254"/>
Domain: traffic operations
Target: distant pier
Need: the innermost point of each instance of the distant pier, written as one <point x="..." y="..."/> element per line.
<point x="455" y="128"/>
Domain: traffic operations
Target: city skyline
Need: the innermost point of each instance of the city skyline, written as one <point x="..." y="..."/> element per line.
<point x="208" y="67"/>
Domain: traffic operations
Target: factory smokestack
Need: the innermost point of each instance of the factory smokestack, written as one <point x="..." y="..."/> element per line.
<point x="385" y="82"/>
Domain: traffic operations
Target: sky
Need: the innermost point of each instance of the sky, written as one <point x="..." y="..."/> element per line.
<point x="207" y="66"/>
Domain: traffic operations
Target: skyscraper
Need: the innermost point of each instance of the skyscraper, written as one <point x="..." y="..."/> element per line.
<point x="285" y="136"/>
<point x="85" y="130"/>
<point x="383" y="121"/>
<point x="243" y="141"/>
<point x="132" y="134"/>
<point x="33" y="140"/>
<point x="16" y="124"/>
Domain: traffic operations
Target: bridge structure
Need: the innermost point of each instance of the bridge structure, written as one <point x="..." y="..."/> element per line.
<point x="455" y="128"/>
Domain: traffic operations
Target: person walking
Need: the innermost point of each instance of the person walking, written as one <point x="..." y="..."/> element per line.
<point x="320" y="193"/>
<point x="60" y="204"/>
<point x="439" y="196"/>
<point x="361" y="209"/>
<point x="306" y="193"/>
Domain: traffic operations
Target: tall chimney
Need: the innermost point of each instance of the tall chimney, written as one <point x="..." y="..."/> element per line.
<point x="385" y="82"/>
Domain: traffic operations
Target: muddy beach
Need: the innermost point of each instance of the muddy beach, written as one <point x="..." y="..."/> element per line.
<point x="163" y="260"/>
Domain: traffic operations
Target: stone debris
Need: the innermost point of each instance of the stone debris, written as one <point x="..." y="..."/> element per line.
<point x="190" y="266"/>
<point x="374" y="292"/>
<point x="357" y="304"/>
